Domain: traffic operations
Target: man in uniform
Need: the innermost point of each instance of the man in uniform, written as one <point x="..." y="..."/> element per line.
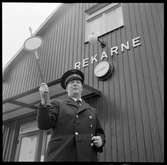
<point x="76" y="131"/>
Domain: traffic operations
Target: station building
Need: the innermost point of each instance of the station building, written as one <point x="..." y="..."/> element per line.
<point x="120" y="49"/>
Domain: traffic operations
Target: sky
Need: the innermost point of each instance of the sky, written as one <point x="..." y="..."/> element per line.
<point x="16" y="20"/>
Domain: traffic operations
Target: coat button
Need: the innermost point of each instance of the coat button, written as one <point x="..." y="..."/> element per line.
<point x="76" y="133"/>
<point x="76" y="116"/>
<point x="91" y="126"/>
<point x="90" y="117"/>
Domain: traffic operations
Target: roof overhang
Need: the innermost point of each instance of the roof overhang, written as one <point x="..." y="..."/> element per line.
<point x="27" y="102"/>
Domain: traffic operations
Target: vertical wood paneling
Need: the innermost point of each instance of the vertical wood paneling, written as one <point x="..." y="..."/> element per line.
<point x="48" y="58"/>
<point x="79" y="29"/>
<point x="71" y="37"/>
<point x="118" y="103"/>
<point x="90" y="53"/>
<point x="157" y="109"/>
<point x="6" y="146"/>
<point x="82" y="51"/>
<point x="10" y="134"/>
<point x="34" y="72"/>
<point x="158" y="36"/>
<point x="44" y="54"/>
<point x="124" y="104"/>
<point x="112" y="110"/>
<point x="161" y="52"/>
<point x="57" y="52"/>
<point x="60" y="49"/>
<point x="5" y="137"/>
<point x="151" y="118"/>
<point x="64" y="34"/>
<point x="142" y="89"/>
<point x="53" y="59"/>
<point x="86" y="70"/>
<point x="28" y="73"/>
<point x="137" y="99"/>
<point x="107" y="103"/>
<point x="156" y="53"/>
<point x="129" y="74"/>
<point x="24" y="71"/>
<point x="67" y="59"/>
<point x="155" y="86"/>
<point x="76" y="34"/>
<point x="147" y="135"/>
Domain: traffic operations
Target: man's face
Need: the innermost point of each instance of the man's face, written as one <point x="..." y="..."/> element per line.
<point x="74" y="88"/>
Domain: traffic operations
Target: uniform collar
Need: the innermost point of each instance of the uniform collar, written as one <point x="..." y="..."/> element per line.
<point x="77" y="99"/>
<point x="72" y="100"/>
<point x="84" y="106"/>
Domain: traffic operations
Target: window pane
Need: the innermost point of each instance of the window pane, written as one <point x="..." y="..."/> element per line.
<point x="113" y="19"/>
<point x="28" y="148"/>
<point x="94" y="26"/>
<point x="104" y="20"/>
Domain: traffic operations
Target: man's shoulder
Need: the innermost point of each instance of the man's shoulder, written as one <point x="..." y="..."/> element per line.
<point x="64" y="100"/>
<point x="55" y="102"/>
<point x="90" y="106"/>
<point x="93" y="108"/>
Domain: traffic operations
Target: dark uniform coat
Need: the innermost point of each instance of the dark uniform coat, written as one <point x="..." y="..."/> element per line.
<point x="73" y="126"/>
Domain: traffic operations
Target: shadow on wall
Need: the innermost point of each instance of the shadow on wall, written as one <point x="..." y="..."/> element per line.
<point x="106" y="109"/>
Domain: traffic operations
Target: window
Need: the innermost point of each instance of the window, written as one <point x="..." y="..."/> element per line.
<point x="29" y="146"/>
<point x="103" y="18"/>
<point x="32" y="143"/>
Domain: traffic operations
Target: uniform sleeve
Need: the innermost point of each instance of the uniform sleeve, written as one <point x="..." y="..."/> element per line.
<point x="99" y="132"/>
<point x="47" y="115"/>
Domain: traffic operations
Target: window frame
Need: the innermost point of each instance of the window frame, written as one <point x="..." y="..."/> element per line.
<point x="101" y="11"/>
<point x="28" y="134"/>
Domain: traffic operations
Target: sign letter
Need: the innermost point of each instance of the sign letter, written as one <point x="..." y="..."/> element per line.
<point x="125" y="46"/>
<point x="136" y="42"/>
<point x="114" y="50"/>
<point x="85" y="62"/>
<point x="77" y="65"/>
<point x="93" y="59"/>
<point x="104" y="55"/>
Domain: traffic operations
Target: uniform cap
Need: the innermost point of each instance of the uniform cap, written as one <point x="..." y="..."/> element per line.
<point x="73" y="74"/>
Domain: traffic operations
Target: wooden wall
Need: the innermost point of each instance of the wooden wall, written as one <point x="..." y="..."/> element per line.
<point x="131" y="108"/>
<point x="10" y="139"/>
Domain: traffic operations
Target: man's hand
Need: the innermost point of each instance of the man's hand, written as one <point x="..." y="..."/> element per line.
<point x="97" y="141"/>
<point x="44" y="93"/>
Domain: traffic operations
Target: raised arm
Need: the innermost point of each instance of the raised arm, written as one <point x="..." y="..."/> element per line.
<point x="47" y="112"/>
